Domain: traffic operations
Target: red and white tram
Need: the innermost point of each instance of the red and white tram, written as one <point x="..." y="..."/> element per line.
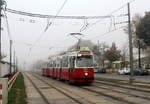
<point x="75" y="67"/>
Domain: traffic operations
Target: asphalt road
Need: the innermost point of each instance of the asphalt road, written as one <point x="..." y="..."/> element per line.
<point x="145" y="78"/>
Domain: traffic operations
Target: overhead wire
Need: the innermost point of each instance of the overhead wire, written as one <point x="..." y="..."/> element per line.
<point x="62" y="17"/>
<point x="85" y="25"/>
<point x="48" y="24"/>
<point x="104" y="34"/>
<point x="110" y="14"/>
<point x="30" y="44"/>
<point x="114" y="22"/>
<point x="54" y="16"/>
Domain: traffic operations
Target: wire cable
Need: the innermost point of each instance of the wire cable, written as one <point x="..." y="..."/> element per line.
<point x="110" y="14"/>
<point x="104" y="34"/>
<point x="29" y="44"/>
<point x="49" y="24"/>
<point x="53" y="16"/>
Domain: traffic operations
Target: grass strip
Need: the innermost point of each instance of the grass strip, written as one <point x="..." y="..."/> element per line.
<point x="108" y="79"/>
<point x="121" y="81"/>
<point x="17" y="94"/>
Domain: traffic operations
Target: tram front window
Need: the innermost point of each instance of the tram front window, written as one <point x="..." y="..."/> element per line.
<point x="84" y="61"/>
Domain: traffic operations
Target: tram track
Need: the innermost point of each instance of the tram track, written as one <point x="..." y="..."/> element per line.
<point x="119" y="96"/>
<point x="114" y="91"/>
<point x="109" y="96"/>
<point x="78" y="101"/>
<point x="117" y="101"/>
<point x="116" y="95"/>
<point x="135" y="84"/>
<point x="125" y="86"/>
<point x="37" y="89"/>
<point x="123" y="91"/>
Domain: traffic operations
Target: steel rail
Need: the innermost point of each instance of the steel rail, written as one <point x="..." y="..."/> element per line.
<point x="120" y="99"/>
<point x="147" y="85"/>
<point x="126" y="93"/>
<point x="123" y="86"/>
<point x="74" y="99"/>
<point x="40" y="92"/>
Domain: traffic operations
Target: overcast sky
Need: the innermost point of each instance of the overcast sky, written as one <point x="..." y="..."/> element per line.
<point x="56" y="38"/>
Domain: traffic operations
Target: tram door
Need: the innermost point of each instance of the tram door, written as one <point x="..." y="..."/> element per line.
<point x="71" y="67"/>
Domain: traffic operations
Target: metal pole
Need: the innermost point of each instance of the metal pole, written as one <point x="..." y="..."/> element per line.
<point x="14" y="62"/>
<point x="10" y="56"/>
<point x="99" y="59"/>
<point x="131" y="79"/>
<point x="0" y="32"/>
<point x="139" y="53"/>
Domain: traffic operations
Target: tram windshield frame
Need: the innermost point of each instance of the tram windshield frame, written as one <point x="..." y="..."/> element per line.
<point x="84" y="61"/>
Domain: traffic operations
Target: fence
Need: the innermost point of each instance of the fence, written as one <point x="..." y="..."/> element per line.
<point x="3" y="90"/>
<point x="5" y="86"/>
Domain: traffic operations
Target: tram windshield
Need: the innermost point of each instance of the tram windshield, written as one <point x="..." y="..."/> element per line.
<point x="84" y="61"/>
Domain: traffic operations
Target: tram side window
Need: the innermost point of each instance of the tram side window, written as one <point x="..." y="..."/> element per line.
<point x="65" y="62"/>
<point x="58" y="63"/>
<point x="50" y="64"/>
<point x="54" y="64"/>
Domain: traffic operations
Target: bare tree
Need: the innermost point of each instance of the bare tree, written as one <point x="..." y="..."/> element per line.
<point x="135" y="22"/>
<point x="112" y="54"/>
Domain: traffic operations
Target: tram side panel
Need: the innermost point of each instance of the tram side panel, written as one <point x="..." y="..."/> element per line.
<point x="65" y="74"/>
<point x="59" y="73"/>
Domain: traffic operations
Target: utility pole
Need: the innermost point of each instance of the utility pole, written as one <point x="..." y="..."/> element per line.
<point x="10" y="56"/>
<point x="14" y="62"/>
<point x="1" y="3"/>
<point x="139" y="43"/>
<point x="131" y="79"/>
<point x="99" y="59"/>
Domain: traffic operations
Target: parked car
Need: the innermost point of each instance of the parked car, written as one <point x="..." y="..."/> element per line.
<point x="124" y="71"/>
<point x="102" y="70"/>
<point x="140" y="71"/>
<point x="136" y="71"/>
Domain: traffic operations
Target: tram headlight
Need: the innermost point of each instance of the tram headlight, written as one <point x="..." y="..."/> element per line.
<point x="85" y="74"/>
